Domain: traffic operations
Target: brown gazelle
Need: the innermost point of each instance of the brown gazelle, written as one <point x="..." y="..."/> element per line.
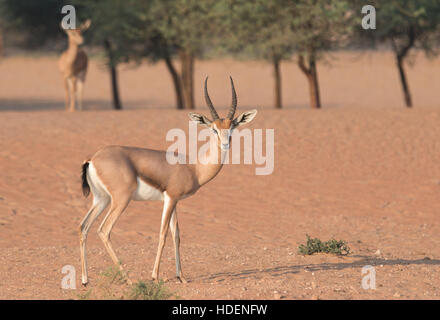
<point x="118" y="174"/>
<point x="73" y="66"/>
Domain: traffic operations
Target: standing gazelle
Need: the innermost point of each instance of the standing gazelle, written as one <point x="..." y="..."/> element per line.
<point x="118" y="174"/>
<point x="73" y="66"/>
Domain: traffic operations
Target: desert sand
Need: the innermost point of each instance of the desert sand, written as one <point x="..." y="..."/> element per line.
<point x="363" y="169"/>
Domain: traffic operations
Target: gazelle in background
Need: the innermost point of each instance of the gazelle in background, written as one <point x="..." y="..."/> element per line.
<point x="118" y="174"/>
<point x="73" y="66"/>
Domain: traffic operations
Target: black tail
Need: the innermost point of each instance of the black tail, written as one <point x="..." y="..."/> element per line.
<point x="85" y="184"/>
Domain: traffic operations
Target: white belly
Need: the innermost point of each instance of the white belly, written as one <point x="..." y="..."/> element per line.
<point x="146" y="192"/>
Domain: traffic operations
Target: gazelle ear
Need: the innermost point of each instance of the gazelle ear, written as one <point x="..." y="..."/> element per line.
<point x="85" y="25"/>
<point x="244" y="118"/>
<point x="200" y="119"/>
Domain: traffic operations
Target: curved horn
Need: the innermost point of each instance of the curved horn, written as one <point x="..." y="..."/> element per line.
<point x="234" y="101"/>
<point x="209" y="102"/>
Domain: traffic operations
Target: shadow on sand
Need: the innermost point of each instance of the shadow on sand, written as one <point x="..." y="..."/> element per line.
<point x="36" y="104"/>
<point x="47" y="105"/>
<point x="58" y="105"/>
<point x="281" y="270"/>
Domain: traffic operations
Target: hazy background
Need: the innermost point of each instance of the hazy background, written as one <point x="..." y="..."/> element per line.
<point x="286" y="51"/>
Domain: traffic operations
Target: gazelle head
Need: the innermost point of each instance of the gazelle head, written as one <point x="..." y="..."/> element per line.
<point x="222" y="128"/>
<point x="75" y="35"/>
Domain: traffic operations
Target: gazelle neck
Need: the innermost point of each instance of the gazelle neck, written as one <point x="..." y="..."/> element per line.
<point x="210" y="164"/>
<point x="72" y="50"/>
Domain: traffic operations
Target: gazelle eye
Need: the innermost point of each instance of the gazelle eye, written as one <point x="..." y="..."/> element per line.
<point x="215" y="131"/>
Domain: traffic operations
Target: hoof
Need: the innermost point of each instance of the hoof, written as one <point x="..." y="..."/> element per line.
<point x="126" y="278"/>
<point x="182" y="280"/>
<point x="84" y="284"/>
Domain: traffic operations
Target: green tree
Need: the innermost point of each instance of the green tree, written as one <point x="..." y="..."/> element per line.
<point x="186" y="27"/>
<point x="406" y="25"/>
<point x="153" y="46"/>
<point x="318" y="26"/>
<point x="132" y="31"/>
<point x="259" y="29"/>
<point x="36" y="21"/>
<point x="115" y="28"/>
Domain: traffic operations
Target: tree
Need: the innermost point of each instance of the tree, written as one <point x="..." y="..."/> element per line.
<point x="131" y="31"/>
<point x="2" y="22"/>
<point x="186" y="28"/>
<point x="153" y="46"/>
<point x="318" y="26"/>
<point x="407" y="25"/>
<point x="37" y="21"/>
<point x="115" y="27"/>
<point x="259" y="29"/>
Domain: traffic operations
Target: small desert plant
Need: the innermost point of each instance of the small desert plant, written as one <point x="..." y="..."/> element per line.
<point x="112" y="285"/>
<point x="149" y="291"/>
<point x="314" y="245"/>
<point x="112" y="275"/>
<point x="84" y="296"/>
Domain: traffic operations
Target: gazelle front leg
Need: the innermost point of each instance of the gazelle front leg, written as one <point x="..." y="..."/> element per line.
<point x="168" y="208"/>
<point x="71" y="82"/>
<point x="174" y="227"/>
<point x="66" y="94"/>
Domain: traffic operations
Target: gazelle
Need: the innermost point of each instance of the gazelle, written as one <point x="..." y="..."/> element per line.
<point x="73" y="66"/>
<point x="118" y="174"/>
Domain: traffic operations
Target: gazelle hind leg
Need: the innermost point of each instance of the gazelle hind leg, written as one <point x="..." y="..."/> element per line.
<point x="80" y="85"/>
<point x="94" y="212"/>
<point x="174" y="228"/>
<point x="168" y="209"/>
<point x="79" y="92"/>
<point x="116" y="209"/>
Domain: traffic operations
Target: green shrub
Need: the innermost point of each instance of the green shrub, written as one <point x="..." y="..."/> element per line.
<point x="149" y="291"/>
<point x="112" y="285"/>
<point x="314" y="245"/>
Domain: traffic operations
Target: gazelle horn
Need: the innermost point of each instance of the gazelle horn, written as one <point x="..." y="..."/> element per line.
<point x="209" y="102"/>
<point x="234" y="101"/>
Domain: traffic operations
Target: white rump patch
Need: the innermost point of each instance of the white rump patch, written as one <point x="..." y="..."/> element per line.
<point x="146" y="192"/>
<point x="98" y="189"/>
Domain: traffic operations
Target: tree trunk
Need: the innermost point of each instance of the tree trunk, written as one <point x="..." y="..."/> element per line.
<point x="401" y="52"/>
<point x="1" y="42"/>
<point x="114" y="76"/>
<point x="115" y="88"/>
<point x="277" y="75"/>
<point x="403" y="81"/>
<point x="176" y="81"/>
<point x="311" y="73"/>
<point x="187" y="75"/>
<point x="315" y="97"/>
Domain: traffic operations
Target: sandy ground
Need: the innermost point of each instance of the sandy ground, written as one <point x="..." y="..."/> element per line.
<point x="363" y="169"/>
